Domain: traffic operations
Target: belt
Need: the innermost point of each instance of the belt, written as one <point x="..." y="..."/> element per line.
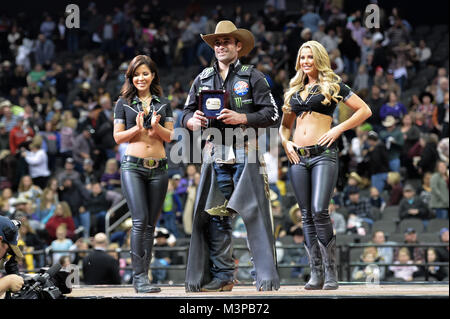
<point x="146" y="162"/>
<point x="308" y="151"/>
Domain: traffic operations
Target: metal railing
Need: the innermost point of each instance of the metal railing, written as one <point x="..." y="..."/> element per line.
<point x="111" y="213"/>
<point x="344" y="266"/>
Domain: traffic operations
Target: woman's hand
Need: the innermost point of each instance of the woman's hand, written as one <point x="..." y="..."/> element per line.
<point x="155" y="119"/>
<point x="290" y="149"/>
<point x="140" y="121"/>
<point x="330" y="137"/>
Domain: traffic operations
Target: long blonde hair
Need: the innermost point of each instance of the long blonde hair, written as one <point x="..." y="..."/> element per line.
<point x="328" y="81"/>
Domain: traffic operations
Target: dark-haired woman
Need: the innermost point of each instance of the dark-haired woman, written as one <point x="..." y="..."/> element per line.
<point x="313" y="95"/>
<point x="143" y="119"/>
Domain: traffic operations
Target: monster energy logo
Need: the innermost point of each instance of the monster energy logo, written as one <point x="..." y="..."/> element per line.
<point x="238" y="102"/>
<point x="244" y="68"/>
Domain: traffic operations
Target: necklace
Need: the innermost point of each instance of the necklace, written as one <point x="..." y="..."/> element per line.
<point x="146" y="104"/>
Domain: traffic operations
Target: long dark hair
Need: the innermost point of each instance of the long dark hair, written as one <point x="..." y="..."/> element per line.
<point x="128" y="90"/>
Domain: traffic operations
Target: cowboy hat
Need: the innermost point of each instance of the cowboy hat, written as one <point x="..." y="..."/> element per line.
<point x="227" y="28"/>
<point x="423" y="94"/>
<point x="389" y="121"/>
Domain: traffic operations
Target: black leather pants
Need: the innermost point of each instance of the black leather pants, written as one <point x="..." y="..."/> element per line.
<point x="313" y="181"/>
<point x="145" y="190"/>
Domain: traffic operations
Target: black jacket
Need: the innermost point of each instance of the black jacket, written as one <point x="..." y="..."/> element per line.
<point x="378" y="159"/>
<point x="418" y="203"/>
<point x="99" y="268"/>
<point x="267" y="114"/>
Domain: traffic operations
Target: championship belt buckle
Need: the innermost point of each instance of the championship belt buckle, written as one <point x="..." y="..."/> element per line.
<point x="212" y="102"/>
<point x="303" y="152"/>
<point x="150" y="163"/>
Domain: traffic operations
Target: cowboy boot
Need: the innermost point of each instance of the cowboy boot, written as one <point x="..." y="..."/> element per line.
<point x="329" y="260"/>
<point x="148" y="248"/>
<point x="315" y="263"/>
<point x="141" y="282"/>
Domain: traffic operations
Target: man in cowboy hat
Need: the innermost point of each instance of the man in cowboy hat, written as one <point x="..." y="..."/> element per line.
<point x="229" y="183"/>
<point x="9" y="233"/>
<point x="392" y="137"/>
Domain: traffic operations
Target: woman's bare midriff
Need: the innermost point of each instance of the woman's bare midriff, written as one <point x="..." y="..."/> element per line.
<point x="143" y="146"/>
<point x="310" y="127"/>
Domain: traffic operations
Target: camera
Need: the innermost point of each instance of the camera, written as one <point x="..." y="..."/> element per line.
<point x="47" y="284"/>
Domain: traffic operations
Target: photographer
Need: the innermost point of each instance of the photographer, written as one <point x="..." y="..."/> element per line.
<point x="8" y="246"/>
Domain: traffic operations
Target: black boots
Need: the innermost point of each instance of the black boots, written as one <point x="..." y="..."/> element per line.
<point x="329" y="261"/>
<point x="315" y="263"/>
<point x="141" y="282"/>
<point x="218" y="285"/>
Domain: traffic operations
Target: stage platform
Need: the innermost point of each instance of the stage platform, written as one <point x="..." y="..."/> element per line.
<point x="346" y="290"/>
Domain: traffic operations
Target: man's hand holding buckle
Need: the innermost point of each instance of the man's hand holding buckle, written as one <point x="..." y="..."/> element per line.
<point x="232" y="117"/>
<point x="197" y="121"/>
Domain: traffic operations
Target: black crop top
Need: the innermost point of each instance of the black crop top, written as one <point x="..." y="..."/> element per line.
<point x="313" y="102"/>
<point x="126" y="113"/>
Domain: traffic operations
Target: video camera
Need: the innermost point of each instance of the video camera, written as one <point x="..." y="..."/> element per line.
<point x="50" y="284"/>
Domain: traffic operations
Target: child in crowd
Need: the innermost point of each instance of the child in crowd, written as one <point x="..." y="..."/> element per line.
<point x="405" y="273"/>
<point x="61" y="243"/>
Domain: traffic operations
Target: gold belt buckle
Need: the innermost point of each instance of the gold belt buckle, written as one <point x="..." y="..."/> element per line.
<point x="150" y="163"/>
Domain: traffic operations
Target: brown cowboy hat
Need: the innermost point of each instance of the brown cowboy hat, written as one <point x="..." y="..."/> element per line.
<point x="224" y="28"/>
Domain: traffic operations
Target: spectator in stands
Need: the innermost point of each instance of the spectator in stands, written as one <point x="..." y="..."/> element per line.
<point x="437" y="272"/>
<point x="395" y="188"/>
<point x="83" y="147"/>
<point x="37" y="161"/>
<point x="162" y="257"/>
<point x="411" y="135"/>
<point x="412" y="206"/>
<point x="376" y="200"/>
<point x="32" y="242"/>
<point x="20" y="136"/>
<point x="68" y="172"/>
<point x="45" y="206"/>
<point x="417" y="253"/>
<point x="404" y="273"/>
<point x="27" y="189"/>
<point x="44" y="50"/>
<point x="110" y="179"/>
<point x="171" y="209"/>
<point x="361" y="81"/>
<point x="188" y="212"/>
<point x="393" y="107"/>
<point x="441" y="117"/>
<point x="424" y="191"/>
<point x="337" y="219"/>
<point x="386" y="253"/>
<point x="423" y="52"/>
<point x="393" y="139"/>
<point x="9" y="119"/>
<point x="369" y="271"/>
<point x="99" y="268"/>
<point x="330" y="41"/>
<point x="426" y="108"/>
<point x="378" y="161"/>
<point x="294" y="221"/>
<point x="442" y="252"/>
<point x="51" y="144"/>
<point x="375" y="102"/>
<point x="97" y="205"/>
<point x="310" y="19"/>
<point x="429" y="154"/>
<point x="62" y="215"/>
<point x="74" y="194"/>
<point x="359" y="207"/>
<point x="398" y="33"/>
<point x="439" y="202"/>
<point x="61" y="243"/>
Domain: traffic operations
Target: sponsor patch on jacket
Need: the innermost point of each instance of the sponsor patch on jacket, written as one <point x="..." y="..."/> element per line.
<point x="241" y="88"/>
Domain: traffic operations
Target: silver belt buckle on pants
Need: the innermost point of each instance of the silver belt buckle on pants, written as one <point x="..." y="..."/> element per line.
<point x="150" y="163"/>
